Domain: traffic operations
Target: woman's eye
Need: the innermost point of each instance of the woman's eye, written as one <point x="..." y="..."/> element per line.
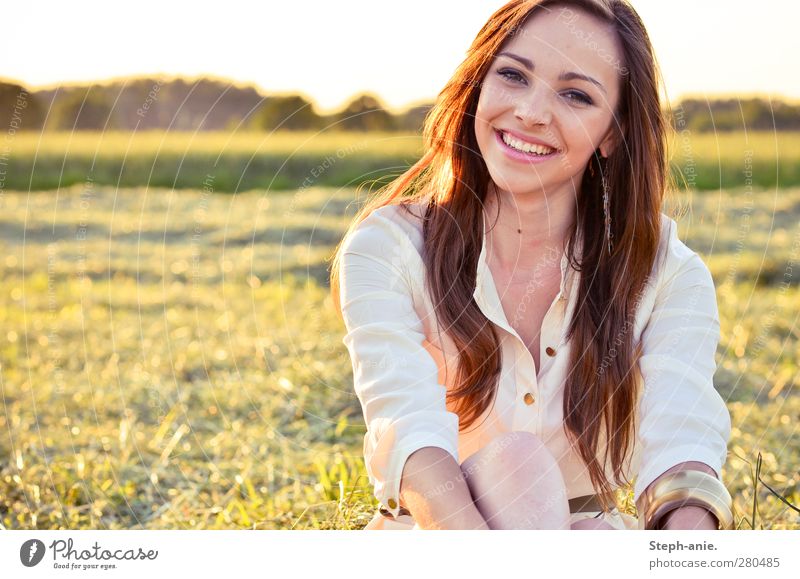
<point x="578" y="97"/>
<point x="511" y="75"/>
<point x="573" y="95"/>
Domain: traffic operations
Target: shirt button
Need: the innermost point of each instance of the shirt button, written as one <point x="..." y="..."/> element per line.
<point x="550" y="351"/>
<point x="529" y="399"/>
<point x="392" y="503"/>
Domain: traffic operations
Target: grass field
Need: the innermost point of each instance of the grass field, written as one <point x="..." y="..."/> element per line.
<point x="171" y="359"/>
<point x="286" y="161"/>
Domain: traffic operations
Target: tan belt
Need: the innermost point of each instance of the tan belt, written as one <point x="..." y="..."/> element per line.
<point x="584" y="504"/>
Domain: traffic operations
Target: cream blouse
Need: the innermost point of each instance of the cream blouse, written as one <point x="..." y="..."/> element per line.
<point x="401" y="360"/>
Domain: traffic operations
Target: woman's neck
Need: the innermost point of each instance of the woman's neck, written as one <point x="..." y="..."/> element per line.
<point x="528" y="227"/>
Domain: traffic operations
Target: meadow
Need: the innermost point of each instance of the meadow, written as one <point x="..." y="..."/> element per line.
<point x="171" y="359"/>
<point x="284" y="161"/>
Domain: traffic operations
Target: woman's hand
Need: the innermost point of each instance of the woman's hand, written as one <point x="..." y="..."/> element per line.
<point x="691" y="518"/>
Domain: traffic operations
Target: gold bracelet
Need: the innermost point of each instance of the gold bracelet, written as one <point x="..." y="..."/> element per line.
<point x="687" y="487"/>
<point x="689" y="497"/>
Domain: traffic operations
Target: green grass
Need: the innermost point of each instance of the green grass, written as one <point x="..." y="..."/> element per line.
<point x="286" y="161"/>
<point x="235" y="162"/>
<point x="713" y="161"/>
<point x="162" y="371"/>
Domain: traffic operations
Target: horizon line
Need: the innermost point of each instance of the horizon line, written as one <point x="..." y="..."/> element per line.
<point x="789" y="99"/>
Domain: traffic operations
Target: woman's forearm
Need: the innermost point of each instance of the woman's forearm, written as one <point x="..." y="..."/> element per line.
<point x="434" y="489"/>
<point x="689" y="517"/>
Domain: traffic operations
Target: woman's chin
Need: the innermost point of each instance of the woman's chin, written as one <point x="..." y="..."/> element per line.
<point x="517" y="177"/>
<point x="519" y="185"/>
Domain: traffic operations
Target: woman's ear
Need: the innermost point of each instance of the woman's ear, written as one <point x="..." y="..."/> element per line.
<point x="609" y="143"/>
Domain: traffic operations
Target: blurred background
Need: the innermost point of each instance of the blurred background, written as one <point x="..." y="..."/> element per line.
<point x="174" y="179"/>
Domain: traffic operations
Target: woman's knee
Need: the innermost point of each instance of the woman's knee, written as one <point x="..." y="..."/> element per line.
<point x="516" y="481"/>
<point x="517" y="454"/>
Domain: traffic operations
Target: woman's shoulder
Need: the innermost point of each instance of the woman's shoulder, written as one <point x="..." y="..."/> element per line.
<point x="400" y="221"/>
<point x="674" y="256"/>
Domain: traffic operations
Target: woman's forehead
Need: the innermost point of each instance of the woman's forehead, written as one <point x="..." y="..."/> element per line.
<point x="563" y="36"/>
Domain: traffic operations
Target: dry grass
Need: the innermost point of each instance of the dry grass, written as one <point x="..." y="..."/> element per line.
<point x="166" y="372"/>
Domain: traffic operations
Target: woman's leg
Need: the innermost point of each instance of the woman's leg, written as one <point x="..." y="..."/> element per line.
<point x="516" y="484"/>
<point x="592" y="524"/>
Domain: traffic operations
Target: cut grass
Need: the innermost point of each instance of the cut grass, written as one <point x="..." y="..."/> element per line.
<point x="161" y="370"/>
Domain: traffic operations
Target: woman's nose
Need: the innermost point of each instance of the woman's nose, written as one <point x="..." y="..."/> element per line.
<point x="535" y="106"/>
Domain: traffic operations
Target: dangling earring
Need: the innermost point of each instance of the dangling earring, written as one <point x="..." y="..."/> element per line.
<point x="606" y="204"/>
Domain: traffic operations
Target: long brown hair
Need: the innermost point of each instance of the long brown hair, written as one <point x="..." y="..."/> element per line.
<point x="601" y="390"/>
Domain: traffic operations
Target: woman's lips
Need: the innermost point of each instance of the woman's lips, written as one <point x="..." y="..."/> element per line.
<point x="521" y="156"/>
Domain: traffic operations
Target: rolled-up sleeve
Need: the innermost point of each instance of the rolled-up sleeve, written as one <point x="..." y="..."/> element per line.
<point x="682" y="417"/>
<point x="395" y="378"/>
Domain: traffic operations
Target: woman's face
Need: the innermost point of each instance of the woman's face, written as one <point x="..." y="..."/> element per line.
<point x="553" y="86"/>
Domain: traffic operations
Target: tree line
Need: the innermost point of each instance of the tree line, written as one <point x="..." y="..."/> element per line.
<point x="207" y="104"/>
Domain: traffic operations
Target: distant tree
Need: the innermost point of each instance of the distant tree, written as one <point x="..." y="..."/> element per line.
<point x="365" y="113"/>
<point x="293" y="113"/>
<point x="787" y="116"/>
<point x="207" y="104"/>
<point x="83" y="109"/>
<point x="19" y="109"/>
<point x="735" y="114"/>
<point x="413" y="119"/>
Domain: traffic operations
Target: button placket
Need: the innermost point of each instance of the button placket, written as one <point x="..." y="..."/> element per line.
<point x="488" y="300"/>
<point x="550" y="337"/>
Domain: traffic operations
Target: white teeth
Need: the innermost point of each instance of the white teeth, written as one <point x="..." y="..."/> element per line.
<point x="526" y="147"/>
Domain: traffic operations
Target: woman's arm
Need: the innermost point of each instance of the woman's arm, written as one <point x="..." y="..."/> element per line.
<point x="684" y="422"/>
<point x="434" y="489"/>
<point x="689" y="517"/>
<point x="394" y="376"/>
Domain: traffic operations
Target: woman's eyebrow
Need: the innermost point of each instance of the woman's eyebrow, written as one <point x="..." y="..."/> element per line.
<point x="563" y="76"/>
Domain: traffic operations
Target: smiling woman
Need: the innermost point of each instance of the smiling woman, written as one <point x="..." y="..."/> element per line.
<point x="544" y="336"/>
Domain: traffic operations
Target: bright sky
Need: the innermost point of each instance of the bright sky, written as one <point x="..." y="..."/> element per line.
<point x="403" y="51"/>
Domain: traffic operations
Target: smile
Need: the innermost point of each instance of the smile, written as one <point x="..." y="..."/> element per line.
<point x="522" y="151"/>
<point x="526" y="147"/>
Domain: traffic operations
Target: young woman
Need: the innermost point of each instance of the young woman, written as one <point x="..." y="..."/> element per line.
<point x="526" y="330"/>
